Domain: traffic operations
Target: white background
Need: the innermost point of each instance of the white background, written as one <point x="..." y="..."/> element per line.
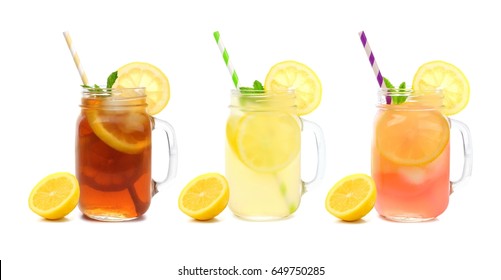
<point x="39" y="105"/>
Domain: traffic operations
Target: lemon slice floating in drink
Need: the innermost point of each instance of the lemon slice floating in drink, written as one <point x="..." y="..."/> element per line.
<point x="122" y="135"/>
<point x="126" y="135"/>
<point x="299" y="77"/>
<point x="232" y="126"/>
<point x="142" y="74"/>
<point x="440" y="75"/>
<point x="411" y="137"/>
<point x="267" y="141"/>
<point x="352" y="197"/>
<point x="204" y="197"/>
<point x="55" y="196"/>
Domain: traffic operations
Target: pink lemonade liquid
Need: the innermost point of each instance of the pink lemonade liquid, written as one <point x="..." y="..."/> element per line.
<point x="410" y="162"/>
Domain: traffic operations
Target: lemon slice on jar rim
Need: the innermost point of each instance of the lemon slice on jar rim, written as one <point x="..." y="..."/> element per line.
<point x="155" y="82"/>
<point x="302" y="79"/>
<point x="449" y="79"/>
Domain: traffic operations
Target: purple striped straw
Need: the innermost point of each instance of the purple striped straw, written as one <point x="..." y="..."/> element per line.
<point x="373" y="62"/>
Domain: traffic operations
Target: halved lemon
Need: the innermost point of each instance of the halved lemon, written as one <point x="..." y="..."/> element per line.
<point x="445" y="77"/>
<point x="267" y="141"/>
<point x="413" y="137"/>
<point x="302" y="79"/>
<point x="352" y="197"/>
<point x="155" y="82"/>
<point x="55" y="196"/>
<point x="204" y="197"/>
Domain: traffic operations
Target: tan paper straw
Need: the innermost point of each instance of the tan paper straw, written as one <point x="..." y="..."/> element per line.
<point x="76" y="59"/>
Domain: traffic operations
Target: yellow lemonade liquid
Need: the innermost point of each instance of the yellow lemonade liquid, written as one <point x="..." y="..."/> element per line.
<point x="263" y="140"/>
<point x="410" y="160"/>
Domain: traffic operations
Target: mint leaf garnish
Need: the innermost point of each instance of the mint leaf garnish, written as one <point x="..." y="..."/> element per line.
<point x="387" y="83"/>
<point x="257" y="88"/>
<point x="249" y="91"/>
<point x="400" y="99"/>
<point x="111" y="79"/>
<point x="258" y="85"/>
<point x="97" y="89"/>
<point x="401" y="89"/>
<point x="246" y="89"/>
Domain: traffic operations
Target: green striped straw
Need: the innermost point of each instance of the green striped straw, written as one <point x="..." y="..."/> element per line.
<point x="226" y="58"/>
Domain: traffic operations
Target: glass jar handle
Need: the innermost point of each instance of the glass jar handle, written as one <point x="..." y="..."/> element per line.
<point x="320" y="143"/>
<point x="467" y="152"/>
<point x="172" y="146"/>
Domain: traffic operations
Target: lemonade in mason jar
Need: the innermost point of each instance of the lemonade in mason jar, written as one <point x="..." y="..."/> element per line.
<point x="263" y="141"/>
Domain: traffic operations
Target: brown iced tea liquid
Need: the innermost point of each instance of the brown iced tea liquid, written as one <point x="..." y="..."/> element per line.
<point x="113" y="160"/>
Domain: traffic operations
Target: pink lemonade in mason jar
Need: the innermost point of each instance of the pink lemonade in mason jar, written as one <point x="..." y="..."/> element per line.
<point x="410" y="159"/>
<point x="411" y="154"/>
<point x="411" y="140"/>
